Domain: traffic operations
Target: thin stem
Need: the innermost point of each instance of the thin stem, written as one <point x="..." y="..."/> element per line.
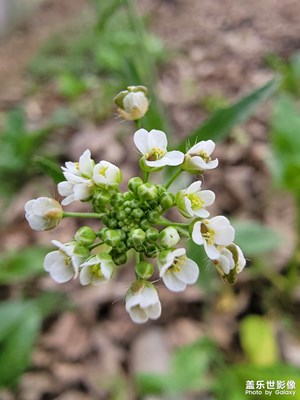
<point x="138" y="123"/>
<point x="173" y="178"/>
<point x="166" y="222"/>
<point x="183" y="232"/>
<point x="146" y="176"/>
<point x="93" y="246"/>
<point x="82" y="215"/>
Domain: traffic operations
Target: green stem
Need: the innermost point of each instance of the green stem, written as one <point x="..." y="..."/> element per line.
<point x="166" y="222"/>
<point x="173" y="178"/>
<point x="93" y="246"/>
<point x="138" y="123"/>
<point x="146" y="176"/>
<point x="183" y="231"/>
<point x="82" y="215"/>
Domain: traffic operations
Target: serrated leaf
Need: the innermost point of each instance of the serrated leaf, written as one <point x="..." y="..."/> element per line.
<point x="222" y="121"/>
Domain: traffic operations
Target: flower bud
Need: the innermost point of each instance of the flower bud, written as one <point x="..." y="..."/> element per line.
<point x="167" y="201"/>
<point x="150" y="250"/>
<point x="43" y="213"/>
<point x="112" y="223"/>
<point x="121" y="248"/>
<point x="111" y="238"/>
<point x="147" y="191"/>
<point x="81" y="252"/>
<point x="133" y="103"/>
<point x="153" y="216"/>
<point x="169" y="237"/>
<point x="119" y="259"/>
<point x="101" y="198"/>
<point x="134" y="183"/>
<point x="117" y="199"/>
<point x="152" y="234"/>
<point x="145" y="224"/>
<point x="137" y="214"/>
<point x="138" y="236"/>
<point x="85" y="235"/>
<point x="144" y="270"/>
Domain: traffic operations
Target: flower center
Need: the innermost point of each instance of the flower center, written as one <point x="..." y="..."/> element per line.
<point x="178" y="263"/>
<point x="196" y="201"/>
<point x="208" y="234"/>
<point x="77" y="165"/>
<point x="103" y="170"/>
<point x="155" y="154"/>
<point x="205" y="156"/>
<point x="96" y="271"/>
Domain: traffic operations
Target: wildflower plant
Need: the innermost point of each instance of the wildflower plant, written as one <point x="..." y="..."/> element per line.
<point x="135" y="222"/>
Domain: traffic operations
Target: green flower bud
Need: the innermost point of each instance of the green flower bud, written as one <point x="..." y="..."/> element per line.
<point x="167" y="201"/>
<point x="137" y="214"/>
<point x="102" y="232"/>
<point x="101" y="198"/>
<point x="138" y="236"/>
<point x="81" y="251"/>
<point x="144" y="270"/>
<point x="121" y="215"/>
<point x="111" y="238"/>
<point x="85" y="235"/>
<point x="134" y="183"/>
<point x="150" y="250"/>
<point x="117" y="200"/>
<point x="128" y="210"/>
<point x="168" y="237"/>
<point x="121" y="248"/>
<point x="153" y="216"/>
<point x="145" y="224"/>
<point x="121" y="233"/>
<point x="147" y="191"/>
<point x="112" y="223"/>
<point x="152" y="234"/>
<point x="119" y="259"/>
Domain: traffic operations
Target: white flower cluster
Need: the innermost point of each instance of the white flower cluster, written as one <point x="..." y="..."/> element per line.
<point x="136" y="220"/>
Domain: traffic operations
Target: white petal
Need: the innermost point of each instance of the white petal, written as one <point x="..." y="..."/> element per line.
<point x="173" y="283"/>
<point x="157" y="163"/>
<point x="211" y="251"/>
<point x="65" y="188"/>
<point x="85" y="276"/>
<point x="107" y="269"/>
<point x="29" y="205"/>
<point x="68" y="200"/>
<point x="188" y="206"/>
<point x="36" y="222"/>
<point x="196" y="234"/>
<point x="241" y="260"/>
<point x="212" y="164"/>
<point x="86" y="165"/>
<point x="141" y="141"/>
<point x="201" y="212"/>
<point x="224" y="232"/>
<point x="138" y="315"/>
<point x="198" y="162"/>
<point x="194" y="187"/>
<point x="132" y="300"/>
<point x="174" y="158"/>
<point x="61" y="272"/>
<point x="224" y="264"/>
<point x="208" y="197"/>
<point x="149" y="297"/>
<point x="157" y="139"/>
<point x="188" y="273"/>
<point x="82" y="191"/>
<point x="51" y="258"/>
<point x="153" y="311"/>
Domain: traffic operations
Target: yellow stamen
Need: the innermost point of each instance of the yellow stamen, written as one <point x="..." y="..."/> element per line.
<point x="96" y="271"/>
<point x="178" y="263"/>
<point x="155" y="154"/>
<point x="103" y="170"/>
<point x="196" y="201"/>
<point x="208" y="234"/>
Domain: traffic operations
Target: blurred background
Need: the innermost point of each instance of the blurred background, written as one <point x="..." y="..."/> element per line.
<point x="229" y="71"/>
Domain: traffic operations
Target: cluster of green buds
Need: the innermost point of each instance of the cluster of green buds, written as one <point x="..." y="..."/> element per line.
<point x="133" y="224"/>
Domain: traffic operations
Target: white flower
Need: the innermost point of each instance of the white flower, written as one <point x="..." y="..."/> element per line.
<point x="43" y="213"/>
<point x="142" y="302"/>
<point x="106" y="174"/>
<point x="230" y="262"/>
<point x="153" y="145"/>
<point x="225" y="260"/>
<point x="63" y="264"/>
<point x="75" y="188"/>
<point x="98" y="268"/>
<point x="78" y="184"/>
<point x="176" y="270"/>
<point x="212" y="232"/>
<point x="198" y="159"/>
<point x="83" y="168"/>
<point x="192" y="201"/>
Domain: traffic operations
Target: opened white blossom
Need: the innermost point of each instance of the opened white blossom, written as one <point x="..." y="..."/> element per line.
<point x="213" y="232"/>
<point x="176" y="270"/>
<point x="83" y="168"/>
<point x="191" y="202"/>
<point x="75" y="188"/>
<point x="142" y="302"/>
<point x="63" y="264"/>
<point x="153" y="146"/>
<point x="43" y="213"/>
<point x="198" y="158"/>
<point x="96" y="269"/>
<point x="107" y="174"/>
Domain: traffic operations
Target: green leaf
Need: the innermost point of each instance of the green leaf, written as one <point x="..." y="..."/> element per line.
<point x="255" y="238"/>
<point x="50" y="168"/>
<point x="258" y="340"/>
<point x="22" y="321"/>
<point x="25" y="264"/>
<point x="222" y="121"/>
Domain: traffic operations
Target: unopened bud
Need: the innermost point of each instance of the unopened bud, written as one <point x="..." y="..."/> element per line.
<point x="167" y="201"/>
<point x="85" y="235"/>
<point x="147" y="191"/>
<point x="134" y="183"/>
<point x="133" y="103"/>
<point x="144" y="270"/>
<point x="152" y="234"/>
<point x="169" y="237"/>
<point x="111" y="238"/>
